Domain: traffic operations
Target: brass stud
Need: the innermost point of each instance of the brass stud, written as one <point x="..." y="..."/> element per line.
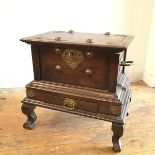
<point x="58" y="67"/>
<point x="71" y="31"/>
<point x="57" y="51"/>
<point x="107" y="33"/>
<point x="57" y="38"/>
<point x="88" y="72"/>
<point x="89" y="54"/>
<point x="89" y="41"/>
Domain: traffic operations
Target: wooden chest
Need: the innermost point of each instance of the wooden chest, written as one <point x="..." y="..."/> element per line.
<point x="80" y="73"/>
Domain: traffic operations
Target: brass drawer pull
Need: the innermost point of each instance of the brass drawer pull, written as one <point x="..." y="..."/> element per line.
<point x="58" y="68"/>
<point x="89" y="54"/>
<point x="88" y="72"/>
<point x="57" y="51"/>
<point x="69" y="103"/>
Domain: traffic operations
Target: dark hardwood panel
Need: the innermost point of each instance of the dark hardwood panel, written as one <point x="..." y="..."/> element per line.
<point x="113" y="72"/>
<point x="98" y="64"/>
<point x="36" y="62"/>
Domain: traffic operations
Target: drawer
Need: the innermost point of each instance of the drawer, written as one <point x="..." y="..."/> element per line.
<point x="74" y="97"/>
<point x="65" y="101"/>
<point x="71" y="103"/>
<point x="73" y="66"/>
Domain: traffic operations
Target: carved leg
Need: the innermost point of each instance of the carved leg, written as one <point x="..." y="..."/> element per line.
<point x="117" y="133"/>
<point x="28" y="110"/>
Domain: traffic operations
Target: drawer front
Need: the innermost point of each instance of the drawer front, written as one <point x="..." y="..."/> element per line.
<point x="64" y="101"/>
<point x="73" y="66"/>
<point x="74" y="103"/>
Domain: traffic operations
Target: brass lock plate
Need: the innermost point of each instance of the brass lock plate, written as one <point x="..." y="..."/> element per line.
<point x="73" y="58"/>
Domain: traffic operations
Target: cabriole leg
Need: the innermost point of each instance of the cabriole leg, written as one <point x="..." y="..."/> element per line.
<point x="117" y="133"/>
<point x="28" y="110"/>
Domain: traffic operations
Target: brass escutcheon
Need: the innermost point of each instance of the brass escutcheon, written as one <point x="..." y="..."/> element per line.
<point x="69" y="103"/>
<point x="73" y="58"/>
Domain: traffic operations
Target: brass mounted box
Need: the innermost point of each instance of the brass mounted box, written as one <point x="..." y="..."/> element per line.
<point x="82" y="74"/>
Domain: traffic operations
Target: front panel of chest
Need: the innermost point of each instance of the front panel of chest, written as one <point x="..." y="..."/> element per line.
<point x="88" y="68"/>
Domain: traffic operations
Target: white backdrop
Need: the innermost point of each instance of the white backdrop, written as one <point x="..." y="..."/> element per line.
<point x="21" y="18"/>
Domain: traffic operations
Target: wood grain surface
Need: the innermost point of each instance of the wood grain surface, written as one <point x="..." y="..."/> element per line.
<point x="117" y="41"/>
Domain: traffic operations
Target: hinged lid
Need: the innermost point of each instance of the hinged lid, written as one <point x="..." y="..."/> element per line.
<point x="76" y="38"/>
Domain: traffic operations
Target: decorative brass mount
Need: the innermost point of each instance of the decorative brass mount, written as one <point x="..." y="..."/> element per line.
<point x="115" y="109"/>
<point x="69" y="103"/>
<point x="30" y="93"/>
<point x="73" y="58"/>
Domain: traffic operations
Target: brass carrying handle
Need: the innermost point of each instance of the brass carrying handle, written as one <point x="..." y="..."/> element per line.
<point x="126" y="63"/>
<point x="69" y="103"/>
